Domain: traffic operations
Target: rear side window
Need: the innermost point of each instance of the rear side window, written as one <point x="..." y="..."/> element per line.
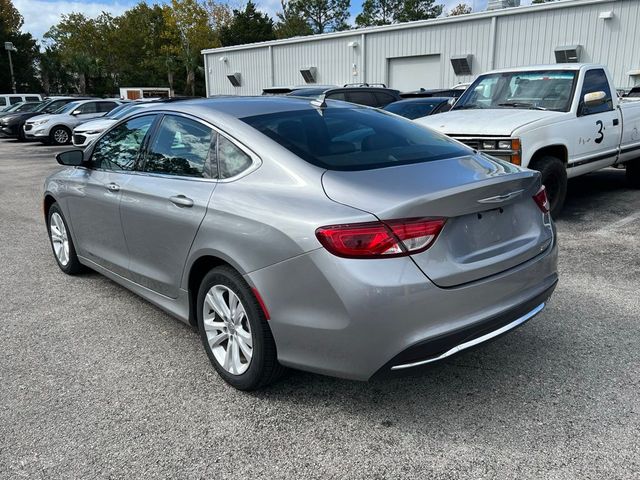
<point x="3" y="101"/>
<point x="106" y="106"/>
<point x="118" y="150"/>
<point x="181" y="147"/>
<point x="14" y="100"/>
<point x="362" y="98"/>
<point x="232" y="160"/>
<point x="355" y="138"/>
<point x="596" y="81"/>
<point x="383" y="99"/>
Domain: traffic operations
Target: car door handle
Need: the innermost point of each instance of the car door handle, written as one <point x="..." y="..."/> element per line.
<point x="615" y="122"/>
<point x="181" y="201"/>
<point x="113" y="187"/>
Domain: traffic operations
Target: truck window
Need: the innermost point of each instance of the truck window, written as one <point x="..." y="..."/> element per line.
<point x="595" y="81"/>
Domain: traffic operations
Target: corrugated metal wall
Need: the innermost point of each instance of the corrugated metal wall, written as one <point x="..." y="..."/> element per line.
<point x="527" y="37"/>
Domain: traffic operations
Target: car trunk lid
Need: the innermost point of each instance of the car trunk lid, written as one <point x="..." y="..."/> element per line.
<point x="492" y="222"/>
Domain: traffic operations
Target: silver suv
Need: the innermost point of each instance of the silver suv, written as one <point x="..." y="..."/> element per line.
<point x="56" y="128"/>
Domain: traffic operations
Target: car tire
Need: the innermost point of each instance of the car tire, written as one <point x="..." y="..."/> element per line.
<point x="61" y="243"/>
<point x="226" y="338"/>
<point x="21" y="137"/>
<point x="633" y="173"/>
<point x="554" y="178"/>
<point x="60" y="136"/>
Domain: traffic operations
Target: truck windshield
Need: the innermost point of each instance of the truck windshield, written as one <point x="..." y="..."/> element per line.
<point x="538" y="90"/>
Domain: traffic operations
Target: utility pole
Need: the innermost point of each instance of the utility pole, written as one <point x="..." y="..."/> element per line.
<point x="8" y="46"/>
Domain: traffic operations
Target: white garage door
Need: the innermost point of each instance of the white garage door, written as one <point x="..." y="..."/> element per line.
<point x="412" y="73"/>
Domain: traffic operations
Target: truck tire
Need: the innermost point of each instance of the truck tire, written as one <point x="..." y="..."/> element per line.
<point x="633" y="173"/>
<point x="554" y="178"/>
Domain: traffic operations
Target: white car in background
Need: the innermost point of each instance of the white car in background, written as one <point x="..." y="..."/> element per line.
<point x="56" y="128"/>
<point x="87" y="132"/>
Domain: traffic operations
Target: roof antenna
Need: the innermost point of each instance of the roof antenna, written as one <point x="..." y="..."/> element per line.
<point x="319" y="102"/>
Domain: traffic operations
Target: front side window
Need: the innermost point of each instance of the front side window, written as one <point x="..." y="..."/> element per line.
<point x="355" y="138"/>
<point x="232" y="160"/>
<point x="181" y="147"/>
<point x="91" y="107"/>
<point x="32" y="99"/>
<point x="596" y="81"/>
<point x="119" y="148"/>
<point x="538" y="90"/>
<point x="14" y="100"/>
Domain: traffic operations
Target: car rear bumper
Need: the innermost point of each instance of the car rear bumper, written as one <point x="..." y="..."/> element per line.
<point x="355" y="318"/>
<point x="451" y="343"/>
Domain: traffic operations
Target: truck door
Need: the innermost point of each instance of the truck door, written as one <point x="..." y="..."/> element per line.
<point x="598" y="128"/>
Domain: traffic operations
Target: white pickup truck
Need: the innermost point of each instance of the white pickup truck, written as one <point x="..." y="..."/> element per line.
<point x="563" y="120"/>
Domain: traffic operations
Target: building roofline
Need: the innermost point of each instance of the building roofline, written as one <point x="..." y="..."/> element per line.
<point x="409" y="25"/>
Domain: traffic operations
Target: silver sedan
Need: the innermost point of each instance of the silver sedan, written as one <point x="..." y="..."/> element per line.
<point x="308" y="234"/>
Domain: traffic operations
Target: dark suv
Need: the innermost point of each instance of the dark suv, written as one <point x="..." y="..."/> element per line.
<point x="362" y="94"/>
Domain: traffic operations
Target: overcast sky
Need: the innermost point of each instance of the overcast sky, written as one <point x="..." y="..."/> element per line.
<point x="40" y="15"/>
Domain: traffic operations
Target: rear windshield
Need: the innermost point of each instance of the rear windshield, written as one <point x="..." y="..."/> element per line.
<point x="354" y="138"/>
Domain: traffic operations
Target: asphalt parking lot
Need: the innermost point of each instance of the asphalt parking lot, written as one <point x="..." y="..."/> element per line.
<point x="97" y="383"/>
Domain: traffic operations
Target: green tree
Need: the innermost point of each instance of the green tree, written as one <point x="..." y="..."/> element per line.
<point x="76" y="38"/>
<point x="323" y="15"/>
<point x="187" y="31"/>
<point x="24" y="59"/>
<point x="460" y="9"/>
<point x="247" y="26"/>
<point x="291" y="23"/>
<point x="411" y="10"/>
<point x="138" y="47"/>
<point x="377" y="12"/>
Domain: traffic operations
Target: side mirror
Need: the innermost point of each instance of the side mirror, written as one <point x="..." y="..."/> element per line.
<point x="71" y="158"/>
<point x="76" y="112"/>
<point x="594" y="99"/>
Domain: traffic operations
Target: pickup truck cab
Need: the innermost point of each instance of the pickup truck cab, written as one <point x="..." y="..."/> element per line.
<point x="563" y="120"/>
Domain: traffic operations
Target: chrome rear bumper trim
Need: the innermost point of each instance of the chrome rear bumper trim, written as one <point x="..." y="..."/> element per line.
<point x="475" y="341"/>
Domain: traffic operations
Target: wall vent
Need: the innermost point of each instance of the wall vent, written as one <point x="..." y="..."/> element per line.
<point x="461" y="64"/>
<point x="568" y="54"/>
<point x="309" y="74"/>
<point x="234" y="78"/>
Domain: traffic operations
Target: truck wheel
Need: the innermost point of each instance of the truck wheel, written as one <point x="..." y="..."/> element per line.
<point x="554" y="178"/>
<point x="633" y="173"/>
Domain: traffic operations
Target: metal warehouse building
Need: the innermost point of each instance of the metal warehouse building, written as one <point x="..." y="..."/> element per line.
<point x="440" y="52"/>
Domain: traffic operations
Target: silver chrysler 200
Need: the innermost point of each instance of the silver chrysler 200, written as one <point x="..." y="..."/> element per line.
<point x="316" y="235"/>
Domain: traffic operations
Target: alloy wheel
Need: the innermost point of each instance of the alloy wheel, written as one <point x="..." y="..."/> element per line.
<point x="59" y="238"/>
<point x="228" y="329"/>
<point x="61" y="136"/>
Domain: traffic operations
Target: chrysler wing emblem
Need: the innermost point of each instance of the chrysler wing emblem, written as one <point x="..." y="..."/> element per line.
<point x="501" y="198"/>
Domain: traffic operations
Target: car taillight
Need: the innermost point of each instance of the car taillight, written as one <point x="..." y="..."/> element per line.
<point x="541" y="200"/>
<point x="391" y="238"/>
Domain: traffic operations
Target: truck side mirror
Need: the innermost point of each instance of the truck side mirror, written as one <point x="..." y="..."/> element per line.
<point x="594" y="99"/>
